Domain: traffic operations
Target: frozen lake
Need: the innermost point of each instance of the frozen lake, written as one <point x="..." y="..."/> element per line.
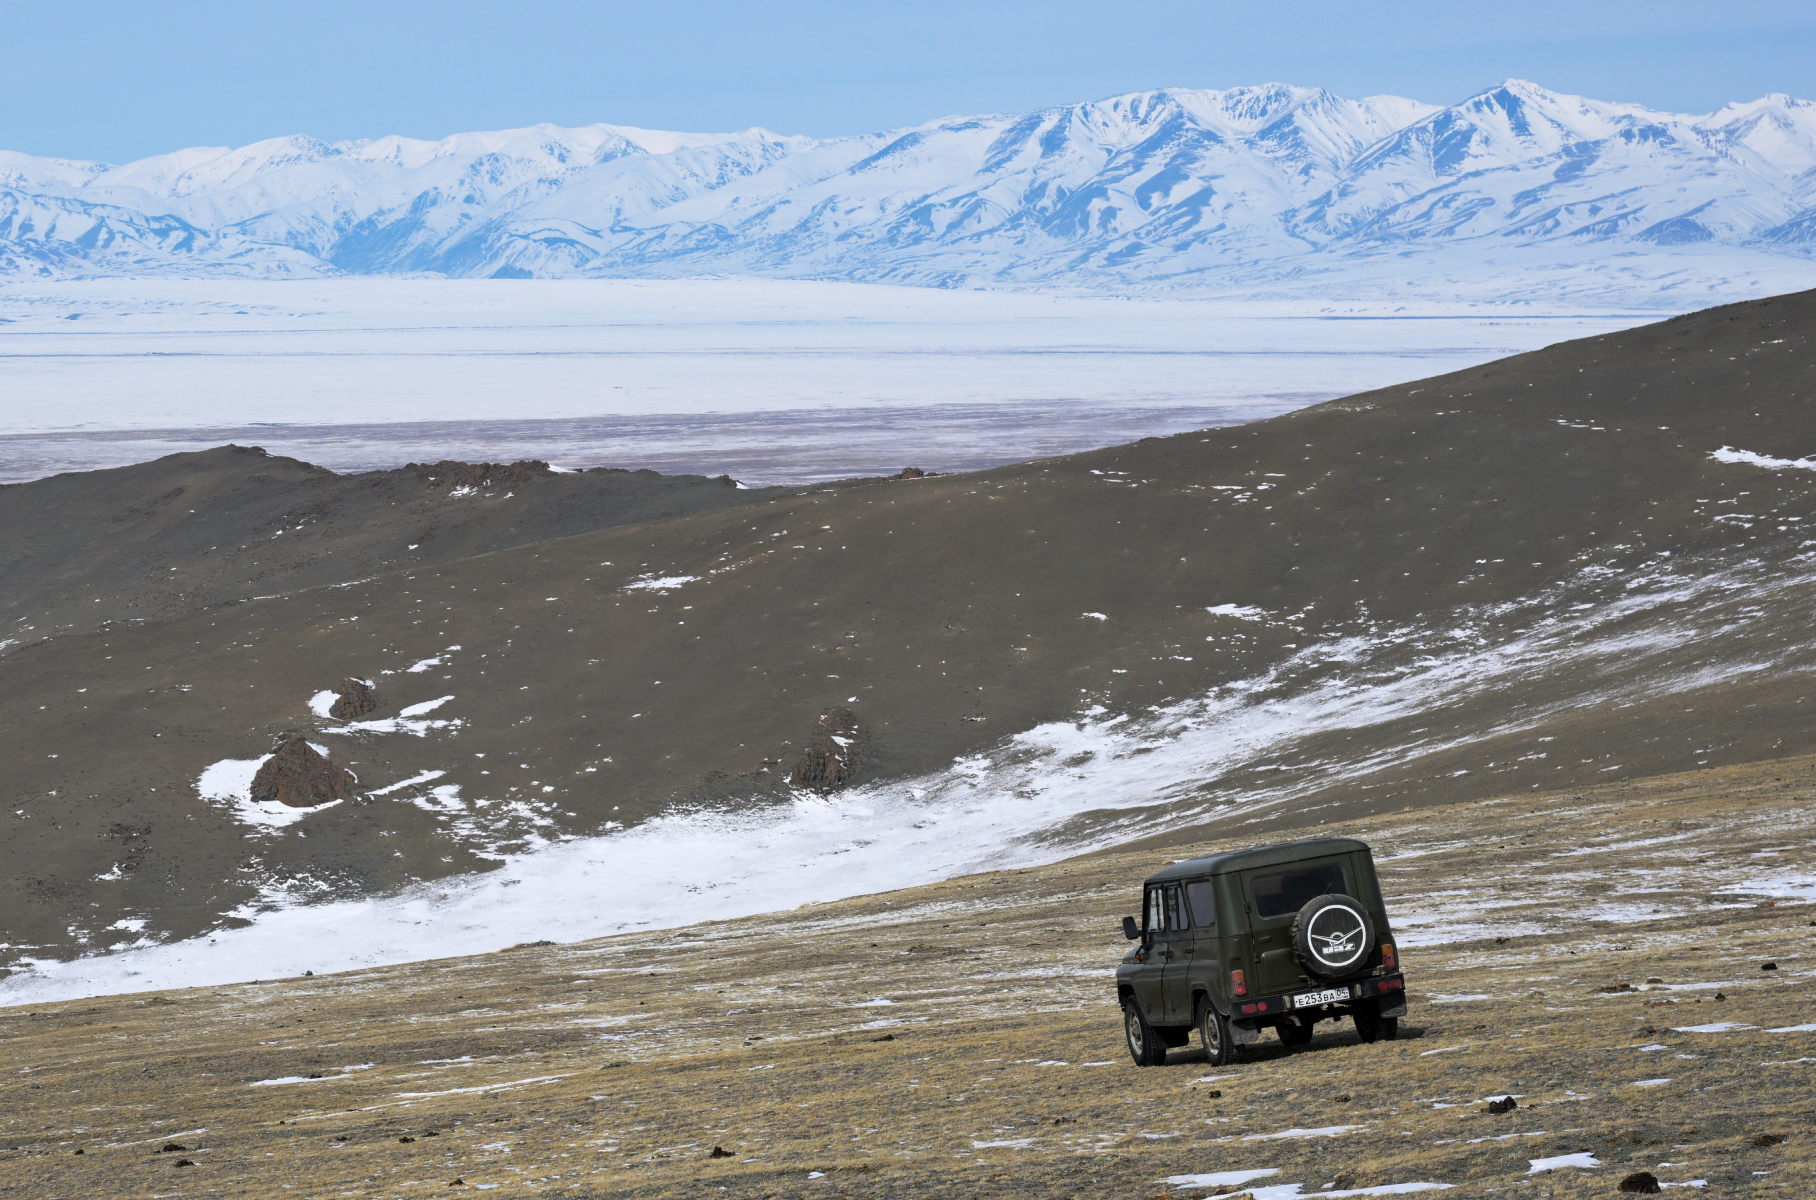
<point x="768" y="380"/>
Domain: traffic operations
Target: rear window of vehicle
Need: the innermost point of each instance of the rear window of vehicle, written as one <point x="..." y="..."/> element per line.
<point x="1287" y="891"/>
<point x="1200" y="900"/>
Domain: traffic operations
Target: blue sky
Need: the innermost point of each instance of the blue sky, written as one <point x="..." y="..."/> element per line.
<point x="116" y="81"/>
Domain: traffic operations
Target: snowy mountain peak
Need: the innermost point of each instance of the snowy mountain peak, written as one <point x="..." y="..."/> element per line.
<point x="1174" y="184"/>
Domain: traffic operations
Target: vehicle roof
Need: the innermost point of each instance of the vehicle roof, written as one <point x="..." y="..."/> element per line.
<point x="1260" y="856"/>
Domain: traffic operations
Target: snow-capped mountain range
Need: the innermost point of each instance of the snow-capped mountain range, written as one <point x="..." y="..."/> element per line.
<point x="1177" y="187"/>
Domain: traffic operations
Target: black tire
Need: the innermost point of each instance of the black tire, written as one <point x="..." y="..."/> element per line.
<point x="1332" y="936"/>
<point x="1294" y="1035"/>
<point x="1371" y="1026"/>
<point x="1145" y="1046"/>
<point x="1220" y="1049"/>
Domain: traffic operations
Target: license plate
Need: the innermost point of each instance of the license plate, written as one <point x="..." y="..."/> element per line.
<point x="1329" y="996"/>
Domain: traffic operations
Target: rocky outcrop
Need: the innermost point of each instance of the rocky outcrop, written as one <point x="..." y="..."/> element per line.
<point x="297" y="775"/>
<point x="834" y="753"/>
<point x="453" y="476"/>
<point x="353" y="698"/>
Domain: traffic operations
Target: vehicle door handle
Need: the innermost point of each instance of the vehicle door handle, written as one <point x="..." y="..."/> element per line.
<point x="1166" y="954"/>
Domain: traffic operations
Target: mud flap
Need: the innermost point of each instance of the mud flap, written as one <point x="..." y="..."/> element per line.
<point x="1242" y="1033"/>
<point x="1394" y="1007"/>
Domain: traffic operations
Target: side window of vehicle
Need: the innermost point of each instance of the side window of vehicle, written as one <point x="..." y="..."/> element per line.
<point x="1202" y="902"/>
<point x="1156" y="922"/>
<point x="1175" y="918"/>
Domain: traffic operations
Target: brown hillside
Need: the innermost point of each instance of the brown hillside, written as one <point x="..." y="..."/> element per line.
<point x="1530" y="574"/>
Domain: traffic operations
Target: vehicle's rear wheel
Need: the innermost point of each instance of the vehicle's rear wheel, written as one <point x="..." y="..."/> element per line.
<point x="1371" y="1026"/>
<point x="1294" y="1035"/>
<point x="1145" y="1046"/>
<point x="1220" y="1049"/>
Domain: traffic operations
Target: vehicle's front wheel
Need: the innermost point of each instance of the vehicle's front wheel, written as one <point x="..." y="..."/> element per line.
<point x="1371" y="1026"/>
<point x="1220" y="1049"/>
<point x="1145" y="1046"/>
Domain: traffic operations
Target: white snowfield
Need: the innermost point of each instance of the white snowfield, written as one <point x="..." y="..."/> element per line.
<point x="1269" y="189"/>
<point x="767" y="380"/>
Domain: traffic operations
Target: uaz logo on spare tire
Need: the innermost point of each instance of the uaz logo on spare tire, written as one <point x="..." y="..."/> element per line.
<point x="1332" y="935"/>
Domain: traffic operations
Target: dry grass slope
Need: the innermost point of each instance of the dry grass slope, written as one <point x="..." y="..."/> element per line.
<point x="961" y="1040"/>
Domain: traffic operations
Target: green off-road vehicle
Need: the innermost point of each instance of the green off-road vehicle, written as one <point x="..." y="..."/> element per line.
<point x="1280" y="936"/>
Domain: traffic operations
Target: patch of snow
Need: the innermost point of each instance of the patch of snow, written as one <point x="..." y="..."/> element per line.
<point x="1296" y="1191"/>
<point x="1786" y="887"/>
<point x="1581" y="1159"/>
<point x="1321" y="1131"/>
<point x="1220" y="1178"/>
<point x="659" y="584"/>
<point x="401" y="784"/>
<point x="489" y="1087"/>
<point x="1242" y="612"/>
<point x="321" y="702"/>
<point x="1728" y="454"/>
<point x="345" y="1073"/>
<point x="409" y="719"/>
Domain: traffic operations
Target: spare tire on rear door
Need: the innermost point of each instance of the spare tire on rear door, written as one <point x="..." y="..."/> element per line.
<point x="1332" y="936"/>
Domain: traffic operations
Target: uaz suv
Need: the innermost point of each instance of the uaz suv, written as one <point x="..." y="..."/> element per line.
<point x="1279" y="936"/>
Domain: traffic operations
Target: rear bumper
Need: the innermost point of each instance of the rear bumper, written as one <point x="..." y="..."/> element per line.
<point x="1388" y="990"/>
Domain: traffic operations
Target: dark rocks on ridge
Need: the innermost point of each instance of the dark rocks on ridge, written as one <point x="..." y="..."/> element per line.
<point x="833" y="755"/>
<point x="353" y="698"/>
<point x="300" y="777"/>
<point x="451" y="475"/>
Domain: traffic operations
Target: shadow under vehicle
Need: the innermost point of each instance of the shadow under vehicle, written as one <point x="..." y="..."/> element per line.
<point x="1277" y="937"/>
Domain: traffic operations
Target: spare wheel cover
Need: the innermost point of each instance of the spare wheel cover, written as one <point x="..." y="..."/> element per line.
<point x="1333" y="935"/>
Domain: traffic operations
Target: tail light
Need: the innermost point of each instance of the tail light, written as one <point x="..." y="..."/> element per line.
<point x="1239" y="983"/>
<point x="1389" y="959"/>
